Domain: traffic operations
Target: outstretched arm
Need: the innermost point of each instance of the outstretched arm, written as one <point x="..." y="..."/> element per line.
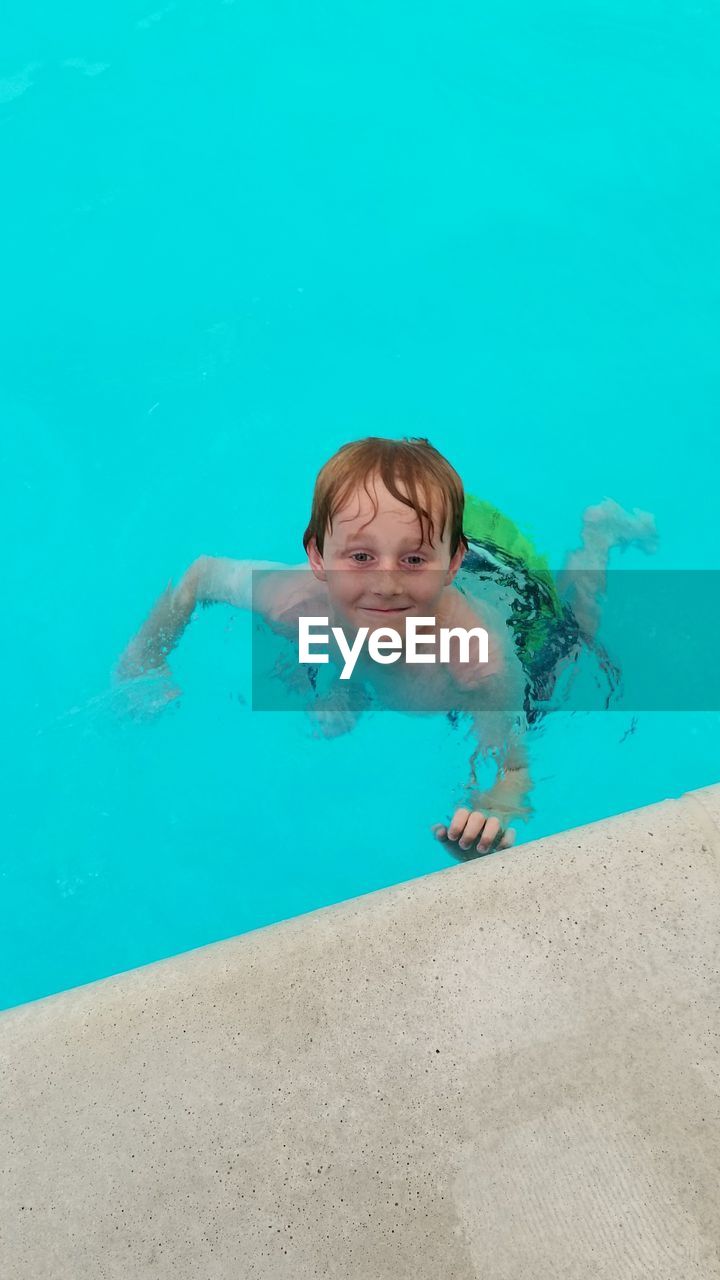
<point x="209" y="580"/>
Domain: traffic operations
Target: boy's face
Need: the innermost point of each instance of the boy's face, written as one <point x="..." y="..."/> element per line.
<point x="380" y="569"/>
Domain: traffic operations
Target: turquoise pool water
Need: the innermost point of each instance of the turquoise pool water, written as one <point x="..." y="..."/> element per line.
<point x="234" y="237"/>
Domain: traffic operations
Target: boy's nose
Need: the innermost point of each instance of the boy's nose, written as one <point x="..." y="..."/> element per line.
<point x="387" y="583"/>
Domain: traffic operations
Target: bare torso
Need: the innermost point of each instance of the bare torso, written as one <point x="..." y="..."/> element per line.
<point x="426" y="688"/>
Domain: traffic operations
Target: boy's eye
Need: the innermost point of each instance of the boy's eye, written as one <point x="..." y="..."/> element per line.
<point x="417" y="559"/>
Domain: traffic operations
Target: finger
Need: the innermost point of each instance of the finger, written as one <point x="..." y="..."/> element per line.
<point x="457" y="826"/>
<point x="439" y="831"/>
<point x="474" y="825"/>
<point x="508" y="839"/>
<point x="490" y="832"/>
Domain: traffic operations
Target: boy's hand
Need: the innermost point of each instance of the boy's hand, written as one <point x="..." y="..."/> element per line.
<point x="144" y="697"/>
<point x="474" y="829"/>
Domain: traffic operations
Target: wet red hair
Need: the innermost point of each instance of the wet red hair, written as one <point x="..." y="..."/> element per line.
<point x="413" y="462"/>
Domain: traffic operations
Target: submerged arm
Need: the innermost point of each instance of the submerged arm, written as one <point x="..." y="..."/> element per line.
<point x="508" y="797"/>
<point x="483" y="822"/>
<point x="209" y="580"/>
<point x="500" y="727"/>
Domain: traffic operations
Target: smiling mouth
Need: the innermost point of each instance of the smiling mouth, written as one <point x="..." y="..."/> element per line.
<point x="404" y="609"/>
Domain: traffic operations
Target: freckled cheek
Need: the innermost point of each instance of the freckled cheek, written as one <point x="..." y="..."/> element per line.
<point x="341" y="587"/>
<point x="346" y="596"/>
<point x="428" y="594"/>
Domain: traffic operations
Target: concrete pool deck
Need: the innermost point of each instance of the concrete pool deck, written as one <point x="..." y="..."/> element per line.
<point x="507" y="1070"/>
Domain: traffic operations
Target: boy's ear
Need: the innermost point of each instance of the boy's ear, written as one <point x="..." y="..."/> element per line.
<point x="455" y="563"/>
<point x="316" y="560"/>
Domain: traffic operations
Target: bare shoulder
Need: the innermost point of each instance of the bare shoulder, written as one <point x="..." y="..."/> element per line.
<point x="468" y="611"/>
<point x="284" y="595"/>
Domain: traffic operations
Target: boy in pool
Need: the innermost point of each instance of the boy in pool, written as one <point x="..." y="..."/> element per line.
<point x="385" y="542"/>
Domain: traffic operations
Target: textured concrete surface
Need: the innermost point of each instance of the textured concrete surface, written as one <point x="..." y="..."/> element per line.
<point x="507" y="1070"/>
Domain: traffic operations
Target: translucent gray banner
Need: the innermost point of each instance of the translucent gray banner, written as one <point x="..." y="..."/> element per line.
<point x="625" y="640"/>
